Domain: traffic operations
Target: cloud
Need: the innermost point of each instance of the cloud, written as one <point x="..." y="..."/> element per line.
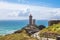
<point x="25" y="13"/>
<point x="11" y="11"/>
<point x="56" y="15"/>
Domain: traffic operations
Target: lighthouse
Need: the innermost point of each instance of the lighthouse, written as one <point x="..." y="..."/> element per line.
<point x="30" y="19"/>
<point x="31" y="28"/>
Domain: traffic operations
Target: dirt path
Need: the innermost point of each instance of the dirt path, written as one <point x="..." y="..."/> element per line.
<point x="36" y="35"/>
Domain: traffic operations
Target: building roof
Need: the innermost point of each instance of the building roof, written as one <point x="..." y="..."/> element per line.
<point x="32" y="29"/>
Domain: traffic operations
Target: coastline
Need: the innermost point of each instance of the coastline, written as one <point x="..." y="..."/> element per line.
<point x="8" y="27"/>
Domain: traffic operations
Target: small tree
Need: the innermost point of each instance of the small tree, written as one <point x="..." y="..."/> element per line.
<point x="41" y="27"/>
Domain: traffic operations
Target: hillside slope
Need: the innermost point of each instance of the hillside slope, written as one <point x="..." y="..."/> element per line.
<point x="51" y="31"/>
<point x="17" y="36"/>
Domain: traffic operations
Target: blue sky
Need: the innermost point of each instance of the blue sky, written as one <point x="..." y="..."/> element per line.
<point x="20" y="9"/>
<point x="49" y="3"/>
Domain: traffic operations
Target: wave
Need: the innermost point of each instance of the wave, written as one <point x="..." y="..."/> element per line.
<point x="5" y="32"/>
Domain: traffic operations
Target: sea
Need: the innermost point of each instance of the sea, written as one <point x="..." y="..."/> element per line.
<point x="10" y="26"/>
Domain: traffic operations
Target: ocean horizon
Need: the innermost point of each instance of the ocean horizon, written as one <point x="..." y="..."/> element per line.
<point x="10" y="26"/>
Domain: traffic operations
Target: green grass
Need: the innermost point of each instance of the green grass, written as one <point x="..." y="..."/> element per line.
<point x="17" y="36"/>
<point x="55" y="29"/>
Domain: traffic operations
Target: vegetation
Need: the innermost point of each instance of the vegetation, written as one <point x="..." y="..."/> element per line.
<point x="41" y="27"/>
<point x="18" y="36"/>
<point x="51" y="31"/>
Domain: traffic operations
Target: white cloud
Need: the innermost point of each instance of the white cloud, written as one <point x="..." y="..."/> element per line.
<point x="11" y="11"/>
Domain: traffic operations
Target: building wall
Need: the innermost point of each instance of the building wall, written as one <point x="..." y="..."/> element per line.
<point x="34" y="22"/>
<point x="30" y="20"/>
<point x="51" y="22"/>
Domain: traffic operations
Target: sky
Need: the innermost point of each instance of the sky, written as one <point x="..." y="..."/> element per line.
<point x="21" y="9"/>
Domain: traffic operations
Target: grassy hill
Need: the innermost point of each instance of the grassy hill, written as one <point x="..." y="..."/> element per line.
<point x="17" y="36"/>
<point x="51" y="31"/>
